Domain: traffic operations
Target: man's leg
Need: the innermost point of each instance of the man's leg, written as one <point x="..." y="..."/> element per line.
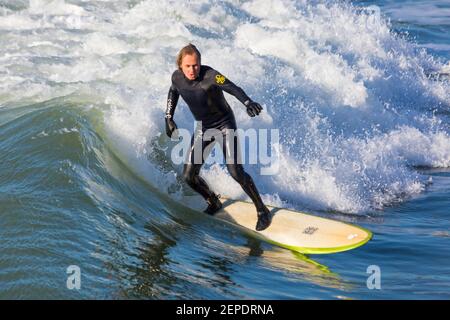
<point x="192" y="178"/>
<point x="234" y="165"/>
<point x="191" y="171"/>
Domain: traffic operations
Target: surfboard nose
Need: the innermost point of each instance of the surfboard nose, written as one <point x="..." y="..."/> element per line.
<point x="295" y="230"/>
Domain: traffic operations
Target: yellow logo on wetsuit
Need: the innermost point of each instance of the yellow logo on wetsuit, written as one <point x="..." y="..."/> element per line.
<point x="220" y="79"/>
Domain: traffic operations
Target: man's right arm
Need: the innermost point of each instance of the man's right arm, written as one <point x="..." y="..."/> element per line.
<point x="172" y="100"/>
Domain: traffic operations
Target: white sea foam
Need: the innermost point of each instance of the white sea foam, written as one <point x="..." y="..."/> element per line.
<point x="354" y="107"/>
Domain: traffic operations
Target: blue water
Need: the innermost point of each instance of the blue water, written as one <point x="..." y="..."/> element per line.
<point x="425" y="22"/>
<point x="86" y="179"/>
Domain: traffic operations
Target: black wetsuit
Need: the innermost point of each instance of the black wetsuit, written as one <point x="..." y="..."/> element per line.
<point x="205" y="98"/>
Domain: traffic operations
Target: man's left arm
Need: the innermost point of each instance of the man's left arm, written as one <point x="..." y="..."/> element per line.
<point x="253" y="108"/>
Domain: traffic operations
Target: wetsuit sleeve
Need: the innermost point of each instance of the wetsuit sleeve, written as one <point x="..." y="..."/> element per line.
<point x="226" y="85"/>
<point x="172" y="100"/>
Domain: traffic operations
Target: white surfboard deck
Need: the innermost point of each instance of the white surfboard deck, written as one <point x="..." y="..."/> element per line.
<point x="294" y="230"/>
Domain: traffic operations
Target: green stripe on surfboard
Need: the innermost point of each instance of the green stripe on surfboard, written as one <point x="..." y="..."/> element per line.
<point x="243" y="215"/>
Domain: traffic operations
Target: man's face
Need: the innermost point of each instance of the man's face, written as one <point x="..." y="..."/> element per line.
<point x="190" y="65"/>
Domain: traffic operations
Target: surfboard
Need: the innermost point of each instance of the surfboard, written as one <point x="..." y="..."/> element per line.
<point x="296" y="231"/>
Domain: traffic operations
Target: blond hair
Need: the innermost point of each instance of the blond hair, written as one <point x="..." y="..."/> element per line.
<point x="190" y="49"/>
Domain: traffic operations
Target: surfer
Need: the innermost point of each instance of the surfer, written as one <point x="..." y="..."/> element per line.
<point x="201" y="87"/>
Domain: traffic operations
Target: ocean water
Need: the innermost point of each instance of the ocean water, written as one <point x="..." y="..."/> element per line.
<point x="359" y="92"/>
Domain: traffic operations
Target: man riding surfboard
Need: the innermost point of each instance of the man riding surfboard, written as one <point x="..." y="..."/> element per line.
<point x="201" y="87"/>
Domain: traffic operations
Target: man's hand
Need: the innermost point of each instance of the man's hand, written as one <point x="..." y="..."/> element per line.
<point x="171" y="126"/>
<point x="253" y="108"/>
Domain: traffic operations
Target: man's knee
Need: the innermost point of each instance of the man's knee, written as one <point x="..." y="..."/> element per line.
<point x="189" y="175"/>
<point x="237" y="173"/>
